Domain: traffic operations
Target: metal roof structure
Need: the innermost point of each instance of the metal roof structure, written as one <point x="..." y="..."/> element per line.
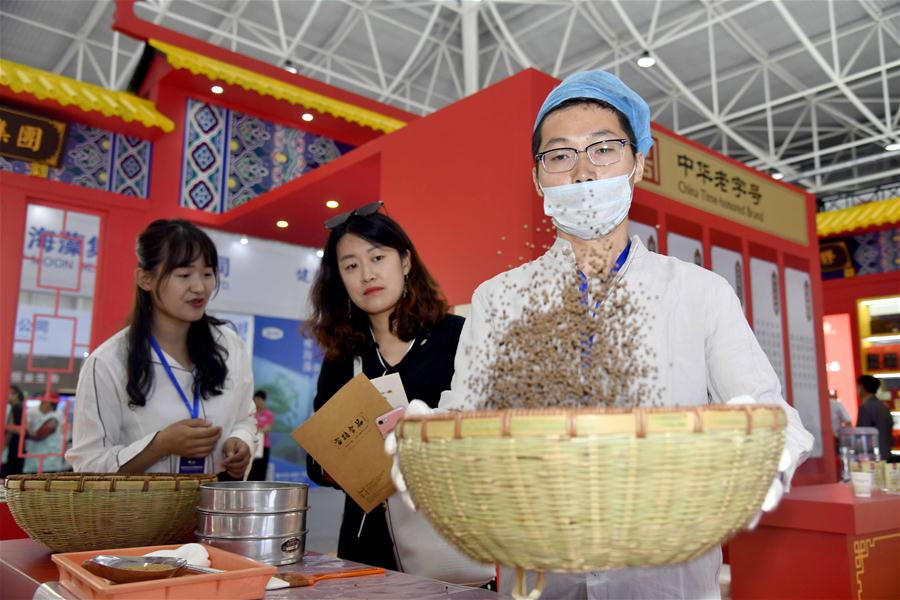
<point x="808" y="89"/>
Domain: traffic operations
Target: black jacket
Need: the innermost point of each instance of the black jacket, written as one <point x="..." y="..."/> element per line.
<point x="426" y="371"/>
<point x="874" y="413"/>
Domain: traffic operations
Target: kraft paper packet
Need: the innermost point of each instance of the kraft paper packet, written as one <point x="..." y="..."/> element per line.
<point x="342" y="437"/>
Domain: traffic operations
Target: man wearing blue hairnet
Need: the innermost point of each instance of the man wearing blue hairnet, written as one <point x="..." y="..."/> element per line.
<point x="590" y="140"/>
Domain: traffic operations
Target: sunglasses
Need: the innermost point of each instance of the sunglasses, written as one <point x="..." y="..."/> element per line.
<point x="363" y="211"/>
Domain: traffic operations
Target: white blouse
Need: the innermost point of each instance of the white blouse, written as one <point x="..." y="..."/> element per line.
<point x="107" y="432"/>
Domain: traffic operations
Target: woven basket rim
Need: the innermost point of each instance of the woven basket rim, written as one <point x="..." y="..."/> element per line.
<point x="85" y="477"/>
<point x="452" y="415"/>
<point x="639" y="419"/>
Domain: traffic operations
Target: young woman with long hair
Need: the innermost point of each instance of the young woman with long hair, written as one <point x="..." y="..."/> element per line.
<point x="172" y="392"/>
<point x="377" y="309"/>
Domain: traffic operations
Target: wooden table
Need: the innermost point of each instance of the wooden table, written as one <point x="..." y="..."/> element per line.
<point x="25" y="565"/>
<point x="821" y="542"/>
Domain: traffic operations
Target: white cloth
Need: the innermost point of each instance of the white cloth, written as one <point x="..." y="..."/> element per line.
<point x="52" y="444"/>
<point x="703" y="351"/>
<point x="108" y="432"/>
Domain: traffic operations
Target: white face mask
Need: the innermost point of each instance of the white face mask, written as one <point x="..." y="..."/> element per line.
<point x="590" y="209"/>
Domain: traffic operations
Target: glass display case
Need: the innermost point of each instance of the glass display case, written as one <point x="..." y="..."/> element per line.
<point x="879" y="332"/>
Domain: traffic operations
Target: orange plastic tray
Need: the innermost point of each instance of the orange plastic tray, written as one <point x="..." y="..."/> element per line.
<point x="243" y="579"/>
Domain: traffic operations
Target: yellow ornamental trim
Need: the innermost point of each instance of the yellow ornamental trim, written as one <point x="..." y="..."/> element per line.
<point x="216" y="70"/>
<point x="44" y="85"/>
<point x="871" y="214"/>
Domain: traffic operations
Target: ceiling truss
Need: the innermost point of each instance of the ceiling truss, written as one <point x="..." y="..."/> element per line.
<point x="809" y="89"/>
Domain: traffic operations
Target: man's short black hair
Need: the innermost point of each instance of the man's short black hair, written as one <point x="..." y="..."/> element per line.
<point x="623" y="121"/>
<point x="869" y="383"/>
<point x="260" y="394"/>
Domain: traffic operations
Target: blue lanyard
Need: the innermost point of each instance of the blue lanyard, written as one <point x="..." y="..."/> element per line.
<point x="620" y="262"/>
<point x="195" y="411"/>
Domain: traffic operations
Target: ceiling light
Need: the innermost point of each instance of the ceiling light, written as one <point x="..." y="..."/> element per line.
<point x="646" y="61"/>
<point x="244" y="240"/>
<point x="307" y="117"/>
<point x="332" y="204"/>
<point x="84" y="354"/>
<point x="777" y="175"/>
<point x="290" y="68"/>
<point x="217" y="89"/>
<point x="320" y="253"/>
<point x="892" y="147"/>
<point x="282" y="224"/>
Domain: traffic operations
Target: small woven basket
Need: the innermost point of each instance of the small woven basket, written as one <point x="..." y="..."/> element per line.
<point x="579" y="490"/>
<point x="91" y="511"/>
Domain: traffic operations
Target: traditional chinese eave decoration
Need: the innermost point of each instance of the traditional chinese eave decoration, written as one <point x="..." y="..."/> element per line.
<point x="872" y="214"/>
<point x="87" y="97"/>
<point x="216" y="70"/>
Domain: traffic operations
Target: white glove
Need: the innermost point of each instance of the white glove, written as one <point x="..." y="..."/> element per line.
<point x="782" y="482"/>
<point x="416" y="407"/>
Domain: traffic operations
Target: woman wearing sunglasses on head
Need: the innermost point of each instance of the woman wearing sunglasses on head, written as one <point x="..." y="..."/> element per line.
<point x="376" y="308"/>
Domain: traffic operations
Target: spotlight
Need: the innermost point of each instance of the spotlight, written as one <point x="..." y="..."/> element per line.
<point x="290" y="68"/>
<point x="244" y="240"/>
<point x="646" y="61"/>
<point x="217" y="89"/>
<point x="307" y="117"/>
<point x="893" y="147"/>
<point x="282" y="224"/>
<point x="777" y="175"/>
<point x="320" y="253"/>
<point x="332" y="204"/>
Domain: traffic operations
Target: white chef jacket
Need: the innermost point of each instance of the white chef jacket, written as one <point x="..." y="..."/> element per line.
<point x="703" y="350"/>
<point x="107" y="432"/>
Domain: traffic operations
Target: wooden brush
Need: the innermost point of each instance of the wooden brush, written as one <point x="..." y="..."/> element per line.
<point x="306" y="579"/>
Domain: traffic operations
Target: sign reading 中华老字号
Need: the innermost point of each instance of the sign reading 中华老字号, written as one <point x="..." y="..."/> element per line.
<point x="31" y="138"/>
<point x="700" y="179"/>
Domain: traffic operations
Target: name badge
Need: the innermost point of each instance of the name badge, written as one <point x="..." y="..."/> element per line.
<point x="191" y="466"/>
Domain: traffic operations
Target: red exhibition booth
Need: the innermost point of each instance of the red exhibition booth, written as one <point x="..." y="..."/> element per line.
<point x="179" y="150"/>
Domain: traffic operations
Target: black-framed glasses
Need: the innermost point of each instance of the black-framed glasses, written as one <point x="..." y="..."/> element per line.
<point x="601" y="154"/>
<point x="363" y="211"/>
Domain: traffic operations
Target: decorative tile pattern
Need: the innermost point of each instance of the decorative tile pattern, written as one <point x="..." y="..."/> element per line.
<point x="131" y="170"/>
<point x="230" y="158"/>
<point x="877" y="252"/>
<point x="97" y="159"/>
<point x="203" y="163"/>
<point x="263" y="156"/>
<point x="87" y="158"/>
<point x="15" y="166"/>
<point x="861" y="254"/>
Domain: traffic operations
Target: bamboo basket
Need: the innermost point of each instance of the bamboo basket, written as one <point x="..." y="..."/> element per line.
<point x="91" y="511"/>
<point x="579" y="490"/>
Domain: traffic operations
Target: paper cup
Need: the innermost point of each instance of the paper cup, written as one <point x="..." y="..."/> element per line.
<point x="862" y="484"/>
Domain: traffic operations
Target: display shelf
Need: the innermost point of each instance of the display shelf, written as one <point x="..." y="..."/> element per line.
<point x="879" y="338"/>
<point x="883" y="338"/>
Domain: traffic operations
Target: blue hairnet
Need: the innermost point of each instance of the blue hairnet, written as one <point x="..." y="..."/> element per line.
<point x="600" y="85"/>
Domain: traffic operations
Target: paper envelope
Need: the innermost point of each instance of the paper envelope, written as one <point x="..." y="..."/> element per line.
<point x="342" y="437"/>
